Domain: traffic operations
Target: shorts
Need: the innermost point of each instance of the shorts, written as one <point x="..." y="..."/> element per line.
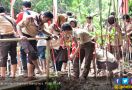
<point x="8" y="48"/>
<point x="41" y="52"/>
<point x="62" y="55"/>
<point x="32" y="55"/>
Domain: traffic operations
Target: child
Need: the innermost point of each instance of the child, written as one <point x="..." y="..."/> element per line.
<point x="85" y="49"/>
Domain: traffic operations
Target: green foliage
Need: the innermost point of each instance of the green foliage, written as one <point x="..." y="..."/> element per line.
<point x="42" y="5"/>
<point x="6" y="4"/>
<point x="53" y="85"/>
<point x="81" y="9"/>
<point x="130" y="7"/>
<point x="17" y="6"/>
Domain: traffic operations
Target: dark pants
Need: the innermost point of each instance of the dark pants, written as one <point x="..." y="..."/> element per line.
<point x="32" y="48"/>
<point x="116" y="50"/>
<point x="23" y="58"/>
<point x="7" y="48"/>
<point x="86" y="51"/>
<point x="59" y="65"/>
<point x="107" y="65"/>
<point x="57" y="60"/>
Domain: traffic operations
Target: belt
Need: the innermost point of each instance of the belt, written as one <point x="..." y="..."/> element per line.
<point x="6" y="35"/>
<point x="26" y="35"/>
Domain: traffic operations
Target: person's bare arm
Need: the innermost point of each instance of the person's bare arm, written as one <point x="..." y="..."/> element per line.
<point x="129" y="30"/>
<point x="77" y="49"/>
<point x="75" y="53"/>
<point x="15" y="28"/>
<point x="118" y="28"/>
<point x="19" y="30"/>
<point x="47" y="33"/>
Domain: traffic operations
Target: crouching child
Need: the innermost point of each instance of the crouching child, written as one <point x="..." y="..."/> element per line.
<point x="85" y="49"/>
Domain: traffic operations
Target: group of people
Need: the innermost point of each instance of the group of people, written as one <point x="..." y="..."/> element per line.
<point x="27" y="25"/>
<point x="68" y="42"/>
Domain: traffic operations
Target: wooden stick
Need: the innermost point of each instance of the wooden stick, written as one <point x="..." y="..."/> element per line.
<point x="19" y="39"/>
<point x="94" y="62"/>
<point x="69" y="69"/>
<point x="48" y="57"/>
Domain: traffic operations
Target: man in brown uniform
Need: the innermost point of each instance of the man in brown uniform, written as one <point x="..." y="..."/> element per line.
<point x="115" y="37"/>
<point x="28" y="27"/>
<point x="127" y="25"/>
<point x="7" y="31"/>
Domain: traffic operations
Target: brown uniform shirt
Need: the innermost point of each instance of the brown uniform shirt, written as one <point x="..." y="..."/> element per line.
<point x="29" y="24"/>
<point x="129" y="29"/>
<point x="5" y="26"/>
<point x="89" y="27"/>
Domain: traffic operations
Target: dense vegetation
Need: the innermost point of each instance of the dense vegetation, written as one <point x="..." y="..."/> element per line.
<point x="81" y="8"/>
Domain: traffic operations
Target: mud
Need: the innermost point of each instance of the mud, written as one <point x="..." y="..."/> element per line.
<point x="91" y="83"/>
<point x="66" y="83"/>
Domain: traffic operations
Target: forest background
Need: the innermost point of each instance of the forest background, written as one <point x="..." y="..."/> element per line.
<point x="100" y="9"/>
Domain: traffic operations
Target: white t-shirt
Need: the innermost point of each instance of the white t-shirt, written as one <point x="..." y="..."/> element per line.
<point x="101" y="56"/>
<point x="41" y="42"/>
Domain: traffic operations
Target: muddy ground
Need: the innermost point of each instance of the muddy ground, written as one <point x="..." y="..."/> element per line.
<point x="91" y="83"/>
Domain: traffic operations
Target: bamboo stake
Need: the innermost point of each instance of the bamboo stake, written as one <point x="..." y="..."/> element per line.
<point x="69" y="63"/>
<point x="114" y="7"/>
<point x="100" y="8"/>
<point x="54" y="62"/>
<point x="94" y="62"/>
<point x="48" y="57"/>
<point x="109" y="7"/>
<point x="79" y="60"/>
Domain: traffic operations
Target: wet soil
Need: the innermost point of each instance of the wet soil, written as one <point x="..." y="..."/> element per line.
<point x="91" y="83"/>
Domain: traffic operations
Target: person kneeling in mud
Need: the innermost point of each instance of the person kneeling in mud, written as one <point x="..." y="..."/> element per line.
<point x="85" y="48"/>
<point x="105" y="60"/>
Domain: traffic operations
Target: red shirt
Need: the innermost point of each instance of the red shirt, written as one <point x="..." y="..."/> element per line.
<point x="20" y="17"/>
